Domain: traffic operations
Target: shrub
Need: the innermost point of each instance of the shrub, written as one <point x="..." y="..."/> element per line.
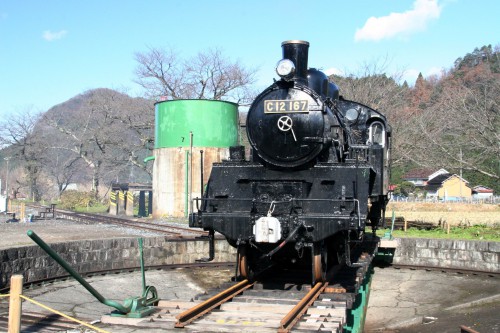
<point x="72" y="199"/>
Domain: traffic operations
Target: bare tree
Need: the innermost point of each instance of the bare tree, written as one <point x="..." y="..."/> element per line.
<point x="208" y="75"/>
<point x="161" y="73"/>
<point x="17" y="132"/>
<point x="108" y="132"/>
<point x="462" y="129"/>
<point x="62" y="167"/>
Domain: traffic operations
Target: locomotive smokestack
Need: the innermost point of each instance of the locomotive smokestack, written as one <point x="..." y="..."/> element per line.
<point x="297" y="51"/>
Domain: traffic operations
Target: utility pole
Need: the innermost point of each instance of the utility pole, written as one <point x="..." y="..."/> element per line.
<point x="461" y="179"/>
<point x="7" y="184"/>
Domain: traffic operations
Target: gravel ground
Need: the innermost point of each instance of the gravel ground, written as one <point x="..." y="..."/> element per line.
<point x="58" y="230"/>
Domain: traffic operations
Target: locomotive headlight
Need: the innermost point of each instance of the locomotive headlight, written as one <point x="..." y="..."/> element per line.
<point x="285" y="68"/>
<point x="351" y="115"/>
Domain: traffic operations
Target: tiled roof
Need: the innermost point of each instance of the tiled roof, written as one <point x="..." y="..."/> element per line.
<point x="436" y="182"/>
<point x="482" y="189"/>
<point x="418" y="174"/>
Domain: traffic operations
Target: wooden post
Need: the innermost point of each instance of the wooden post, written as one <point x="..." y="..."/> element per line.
<point x="120" y="203"/>
<point x="15" y="307"/>
<point x="23" y="211"/>
<point x="113" y="199"/>
<point x="406" y="225"/>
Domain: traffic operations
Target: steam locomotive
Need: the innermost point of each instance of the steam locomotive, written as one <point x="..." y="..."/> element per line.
<point x="316" y="178"/>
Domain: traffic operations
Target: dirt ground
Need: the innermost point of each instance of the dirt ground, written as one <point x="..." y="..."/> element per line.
<point x="58" y="231"/>
<point x="452" y="213"/>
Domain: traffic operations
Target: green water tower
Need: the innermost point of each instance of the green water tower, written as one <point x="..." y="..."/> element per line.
<point x="187" y="131"/>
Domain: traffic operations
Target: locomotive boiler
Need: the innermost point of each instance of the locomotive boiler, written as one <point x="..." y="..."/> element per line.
<point x="316" y="178"/>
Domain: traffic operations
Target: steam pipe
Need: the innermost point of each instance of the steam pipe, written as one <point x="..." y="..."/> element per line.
<point x="149" y="158"/>
<point x="186" y="185"/>
<point x="201" y="175"/>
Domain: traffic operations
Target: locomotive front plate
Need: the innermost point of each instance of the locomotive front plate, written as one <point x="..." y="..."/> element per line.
<point x="286" y="106"/>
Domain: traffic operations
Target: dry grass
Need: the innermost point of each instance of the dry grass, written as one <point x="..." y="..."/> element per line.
<point x="452" y="213"/>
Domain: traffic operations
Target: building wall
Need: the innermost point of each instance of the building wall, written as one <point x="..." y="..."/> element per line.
<point x="482" y="195"/>
<point x="454" y="187"/>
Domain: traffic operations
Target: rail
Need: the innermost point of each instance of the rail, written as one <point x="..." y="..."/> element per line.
<point x="300" y="309"/>
<point x="190" y="315"/>
<point x="173" y="231"/>
<point x="465" y="329"/>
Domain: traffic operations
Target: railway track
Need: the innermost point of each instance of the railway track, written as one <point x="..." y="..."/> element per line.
<point x="447" y="270"/>
<point x="43" y="282"/>
<point x="171" y="231"/>
<point x="263" y="306"/>
<point x="277" y="302"/>
<point x="47" y="322"/>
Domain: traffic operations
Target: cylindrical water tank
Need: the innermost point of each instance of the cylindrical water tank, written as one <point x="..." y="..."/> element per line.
<point x="183" y="128"/>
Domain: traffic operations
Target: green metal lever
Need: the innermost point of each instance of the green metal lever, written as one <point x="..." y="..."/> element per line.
<point x="130" y="305"/>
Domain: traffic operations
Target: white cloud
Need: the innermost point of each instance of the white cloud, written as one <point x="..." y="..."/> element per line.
<point x="333" y="70"/>
<point x="397" y="24"/>
<point x="51" y="36"/>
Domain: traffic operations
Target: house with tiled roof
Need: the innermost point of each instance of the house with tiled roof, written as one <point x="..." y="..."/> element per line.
<point x="482" y="192"/>
<point x="448" y="187"/>
<point x="420" y="177"/>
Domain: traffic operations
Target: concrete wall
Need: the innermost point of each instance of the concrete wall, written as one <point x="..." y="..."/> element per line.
<point x="94" y="255"/>
<point x="460" y="254"/>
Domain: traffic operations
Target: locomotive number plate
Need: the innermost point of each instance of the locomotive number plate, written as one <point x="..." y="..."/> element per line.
<point x="286" y="106"/>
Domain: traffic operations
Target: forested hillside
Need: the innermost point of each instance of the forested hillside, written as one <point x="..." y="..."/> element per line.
<point x="450" y="121"/>
<point x="93" y="139"/>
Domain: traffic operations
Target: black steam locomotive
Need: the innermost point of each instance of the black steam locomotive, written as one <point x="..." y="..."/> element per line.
<point x="317" y="176"/>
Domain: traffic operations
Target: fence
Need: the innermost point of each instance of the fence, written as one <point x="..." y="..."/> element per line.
<point x="491" y="200"/>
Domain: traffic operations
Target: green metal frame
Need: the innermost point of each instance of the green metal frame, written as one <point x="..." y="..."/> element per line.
<point x="386" y="255"/>
<point x="356" y="316"/>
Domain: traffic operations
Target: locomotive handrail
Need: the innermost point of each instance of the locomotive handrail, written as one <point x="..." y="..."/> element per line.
<point x="269" y="202"/>
<point x="291" y="201"/>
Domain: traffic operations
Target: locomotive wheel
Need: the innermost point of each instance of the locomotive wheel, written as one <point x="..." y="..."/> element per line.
<point x="246" y="270"/>
<point x="319" y="260"/>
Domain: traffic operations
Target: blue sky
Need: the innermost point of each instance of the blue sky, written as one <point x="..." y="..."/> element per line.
<point x="53" y="50"/>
